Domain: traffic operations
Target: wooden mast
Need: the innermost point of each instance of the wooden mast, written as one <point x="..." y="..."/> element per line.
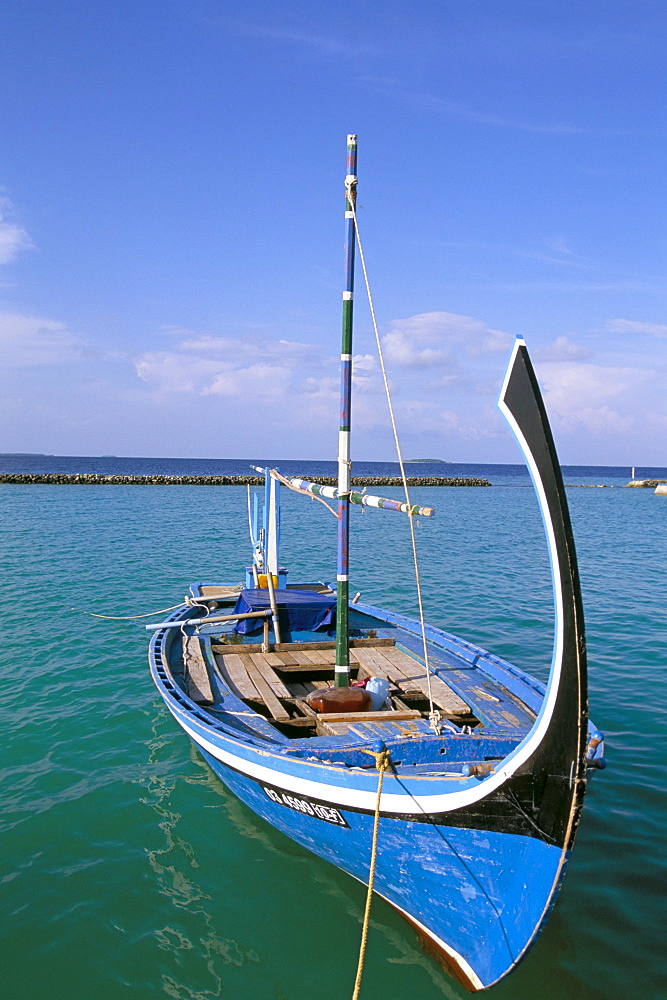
<point x="344" y="465"/>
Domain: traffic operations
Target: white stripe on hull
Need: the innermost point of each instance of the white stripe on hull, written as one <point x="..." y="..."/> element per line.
<point x="403" y="803"/>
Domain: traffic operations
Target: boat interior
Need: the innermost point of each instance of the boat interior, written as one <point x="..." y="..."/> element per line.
<point x="277" y="680"/>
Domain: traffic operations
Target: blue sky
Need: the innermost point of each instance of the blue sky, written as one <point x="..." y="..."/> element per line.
<point x="171" y="224"/>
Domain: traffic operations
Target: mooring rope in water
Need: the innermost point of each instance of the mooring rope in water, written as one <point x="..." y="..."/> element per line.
<point x="127" y="618"/>
<point x="224" y="592"/>
<point x="434" y="715"/>
<point x="382" y="761"/>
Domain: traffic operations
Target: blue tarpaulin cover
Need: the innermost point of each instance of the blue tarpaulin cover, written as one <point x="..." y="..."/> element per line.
<point x="298" y="610"/>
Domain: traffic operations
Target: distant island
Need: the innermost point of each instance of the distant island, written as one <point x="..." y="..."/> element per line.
<point x="429" y="461"/>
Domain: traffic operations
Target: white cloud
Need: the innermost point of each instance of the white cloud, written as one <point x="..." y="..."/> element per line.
<point x="172" y="372"/>
<point x="220" y="366"/>
<point x="322" y="388"/>
<point x="261" y="373"/>
<point x="434" y="339"/>
<point x="571" y="384"/>
<point x="403" y="349"/>
<point x="260" y="381"/>
<point x="13" y="238"/>
<point x="633" y="326"/>
<point x="442" y="363"/>
<point x="248" y="349"/>
<point x="29" y="341"/>
<point x="578" y="394"/>
<point x="211" y="345"/>
<point x="558" y="245"/>
<point x="599" y="420"/>
<point x="364" y="367"/>
<point x="562" y="349"/>
<point x="418" y="417"/>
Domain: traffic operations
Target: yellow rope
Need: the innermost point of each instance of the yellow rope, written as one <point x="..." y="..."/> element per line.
<point x="382" y="763"/>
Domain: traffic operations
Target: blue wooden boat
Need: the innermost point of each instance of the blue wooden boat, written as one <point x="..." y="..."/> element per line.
<point x="468" y="774"/>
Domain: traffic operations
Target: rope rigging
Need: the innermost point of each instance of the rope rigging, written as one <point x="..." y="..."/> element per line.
<point x="434" y="715"/>
<point x="127" y="618"/>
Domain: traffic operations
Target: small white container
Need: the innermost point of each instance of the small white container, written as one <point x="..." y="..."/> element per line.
<point x="378" y="688"/>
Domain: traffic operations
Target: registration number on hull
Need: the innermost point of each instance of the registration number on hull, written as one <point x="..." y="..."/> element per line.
<point x="308" y="807"/>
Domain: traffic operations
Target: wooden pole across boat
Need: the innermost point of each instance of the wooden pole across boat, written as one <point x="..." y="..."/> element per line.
<point x="364" y="499"/>
<point x="342" y="672"/>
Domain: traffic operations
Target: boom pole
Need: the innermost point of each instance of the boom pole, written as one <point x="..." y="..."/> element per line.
<point x="344" y="465"/>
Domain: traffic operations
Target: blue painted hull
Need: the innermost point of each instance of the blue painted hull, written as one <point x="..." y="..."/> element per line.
<point x="457" y="885"/>
<point x="475" y="879"/>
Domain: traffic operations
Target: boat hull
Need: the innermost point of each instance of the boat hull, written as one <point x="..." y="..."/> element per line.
<point x="475" y="826"/>
<point x="472" y="863"/>
<point x="478" y="897"/>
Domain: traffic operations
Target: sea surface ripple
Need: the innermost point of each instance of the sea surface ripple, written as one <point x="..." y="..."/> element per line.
<point x="129" y="871"/>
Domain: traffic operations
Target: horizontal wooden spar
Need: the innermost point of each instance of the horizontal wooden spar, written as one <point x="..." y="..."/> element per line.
<point x="331" y="492"/>
<point x="210" y="620"/>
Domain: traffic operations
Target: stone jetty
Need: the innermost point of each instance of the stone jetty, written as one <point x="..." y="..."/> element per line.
<point x="647" y="483"/>
<point x="96" y="479"/>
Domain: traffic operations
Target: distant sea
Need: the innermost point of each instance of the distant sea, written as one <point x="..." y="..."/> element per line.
<point x="499" y="475"/>
<point x="127" y="869"/>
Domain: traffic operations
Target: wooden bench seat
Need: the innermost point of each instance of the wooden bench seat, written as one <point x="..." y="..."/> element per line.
<point x="198" y="681"/>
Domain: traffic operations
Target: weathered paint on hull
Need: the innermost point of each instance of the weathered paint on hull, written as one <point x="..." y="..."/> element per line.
<point x="478" y="897"/>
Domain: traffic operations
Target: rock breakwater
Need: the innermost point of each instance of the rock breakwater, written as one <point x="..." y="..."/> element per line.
<point x="95" y="479"/>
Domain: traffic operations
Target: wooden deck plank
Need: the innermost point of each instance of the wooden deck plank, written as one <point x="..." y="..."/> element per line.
<point x="410" y="676"/>
<point x="444" y="697"/>
<point x="266" y="670"/>
<point x="199" y="684"/>
<point x="301" y="657"/>
<point x="214" y="593"/>
<point x="316" y="669"/>
<point x="286" y="660"/>
<point x="274" y="659"/>
<point x="305" y="708"/>
<point x="233" y="670"/>
<point x="368" y="657"/>
<point x="403" y="677"/>
<point x="252" y="674"/>
<point x="386" y="729"/>
<point x="369" y="716"/>
<point x="319" y="657"/>
<point x="268" y="697"/>
<point x="375" y="662"/>
<point x="303" y="721"/>
<point x="331" y="724"/>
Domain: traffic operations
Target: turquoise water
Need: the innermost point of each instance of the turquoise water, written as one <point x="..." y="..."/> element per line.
<point x="128" y="871"/>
